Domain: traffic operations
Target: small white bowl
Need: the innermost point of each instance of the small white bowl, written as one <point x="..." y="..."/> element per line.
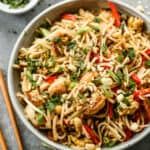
<point x="7" y="8"/>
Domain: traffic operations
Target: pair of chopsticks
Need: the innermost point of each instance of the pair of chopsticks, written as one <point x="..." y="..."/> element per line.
<point x="4" y="91"/>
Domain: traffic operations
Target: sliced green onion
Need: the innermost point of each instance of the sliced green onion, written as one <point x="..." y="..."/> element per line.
<point x="83" y="30"/>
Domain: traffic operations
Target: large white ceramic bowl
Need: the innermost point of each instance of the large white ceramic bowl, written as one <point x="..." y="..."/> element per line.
<point x="25" y="40"/>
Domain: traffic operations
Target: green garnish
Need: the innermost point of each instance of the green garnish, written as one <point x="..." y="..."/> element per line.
<point x="115" y="76"/>
<point x="72" y="85"/>
<point x="97" y="19"/>
<point x="71" y="45"/>
<point x="131" y="53"/>
<point x="120" y="58"/>
<point x="85" y="50"/>
<point x="108" y="142"/>
<point x="30" y="78"/>
<point x="83" y="30"/>
<point x="97" y="81"/>
<point x="147" y="63"/>
<point x="44" y="32"/>
<point x="132" y="85"/>
<point x="57" y="40"/>
<point x="108" y="93"/>
<point x="53" y="102"/>
<point x="15" y="3"/>
<point x="126" y="101"/>
<point x="40" y="119"/>
<point x="95" y="26"/>
<point x="104" y="47"/>
<point x="32" y="65"/>
<point x="74" y="77"/>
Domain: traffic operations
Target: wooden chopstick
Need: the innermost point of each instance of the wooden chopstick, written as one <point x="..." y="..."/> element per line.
<point x="2" y="141"/>
<point x="4" y="90"/>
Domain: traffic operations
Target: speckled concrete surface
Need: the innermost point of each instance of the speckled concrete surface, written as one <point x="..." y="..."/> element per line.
<point x="10" y="28"/>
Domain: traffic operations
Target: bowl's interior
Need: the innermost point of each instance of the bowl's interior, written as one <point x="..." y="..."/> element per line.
<point x="26" y="39"/>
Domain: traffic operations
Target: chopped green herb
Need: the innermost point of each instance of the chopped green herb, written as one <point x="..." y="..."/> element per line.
<point x="57" y="40"/>
<point x="104" y="47"/>
<point x="72" y="85"/>
<point x="131" y="87"/>
<point x="126" y="101"/>
<point x="85" y="50"/>
<point x="131" y="53"/>
<point x="115" y="77"/>
<point x="30" y="78"/>
<point x="95" y="26"/>
<point x="108" y="142"/>
<point x="83" y="30"/>
<point x="147" y="63"/>
<point x="120" y="58"/>
<point x="125" y="53"/>
<point x="53" y="102"/>
<point x="74" y="77"/>
<point x="120" y="74"/>
<point x="97" y="81"/>
<point x="40" y="119"/>
<point x="32" y="65"/>
<point x="108" y="93"/>
<point x="15" y="3"/>
<point x="97" y="19"/>
<point x="71" y="45"/>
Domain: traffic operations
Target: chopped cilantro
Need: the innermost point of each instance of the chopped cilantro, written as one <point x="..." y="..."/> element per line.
<point x="71" y="45"/>
<point x="131" y="53"/>
<point x="115" y="77"/>
<point x="104" y="47"/>
<point x="147" y="63"/>
<point x="53" y="102"/>
<point x="57" y="40"/>
<point x="40" y="119"/>
<point x="97" y="19"/>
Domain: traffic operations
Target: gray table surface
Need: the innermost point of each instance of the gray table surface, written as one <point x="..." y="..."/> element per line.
<point x="10" y="28"/>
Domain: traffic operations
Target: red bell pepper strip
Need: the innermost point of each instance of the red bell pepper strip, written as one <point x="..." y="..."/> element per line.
<point x="115" y="13"/>
<point x="50" y="79"/>
<point x="95" y="55"/>
<point x="129" y="134"/>
<point x="136" y="78"/>
<point x="93" y="136"/>
<point x="69" y="17"/>
<point x="139" y="93"/>
<point x="136" y="96"/>
<point x="147" y="52"/>
<point x="110" y="110"/>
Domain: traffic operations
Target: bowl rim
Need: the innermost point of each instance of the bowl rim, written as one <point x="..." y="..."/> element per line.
<point x="16" y="11"/>
<point x="14" y="100"/>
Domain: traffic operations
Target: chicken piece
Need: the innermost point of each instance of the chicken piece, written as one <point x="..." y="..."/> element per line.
<point x="97" y="104"/>
<point x="89" y="76"/>
<point x="26" y="85"/>
<point x="35" y="97"/>
<point x="58" y="86"/>
<point x="135" y="23"/>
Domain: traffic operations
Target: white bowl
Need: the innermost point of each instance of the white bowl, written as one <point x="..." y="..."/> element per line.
<point x="26" y="38"/>
<point x="6" y="8"/>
